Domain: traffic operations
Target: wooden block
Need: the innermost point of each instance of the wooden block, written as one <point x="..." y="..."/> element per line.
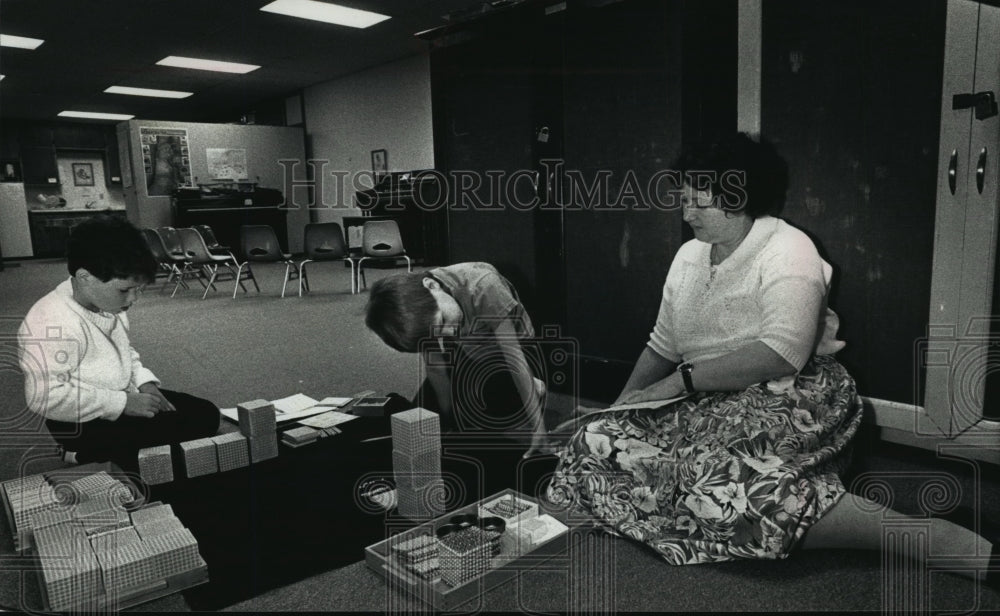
<point x="256" y="418"/>
<point x="263" y="447"/>
<point x="156" y="465"/>
<point x="232" y="451"/>
<point x="199" y="457"/>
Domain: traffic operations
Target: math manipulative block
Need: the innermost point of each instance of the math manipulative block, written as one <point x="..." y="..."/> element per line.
<point x="199" y="457"/>
<point x="232" y="451"/>
<point x="464" y="555"/>
<point x="173" y="553"/>
<point x="156" y="465"/>
<point x="256" y="418"/>
<point x="263" y="447"/>
<point x="415" y="431"/>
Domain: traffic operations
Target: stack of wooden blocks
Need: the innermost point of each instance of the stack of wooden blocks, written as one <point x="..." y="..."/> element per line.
<point x="91" y="551"/>
<point x="416" y="463"/>
<point x="256" y="441"/>
<point x="258" y="424"/>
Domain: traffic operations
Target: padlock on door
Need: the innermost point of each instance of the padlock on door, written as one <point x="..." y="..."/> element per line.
<point x="543" y="134"/>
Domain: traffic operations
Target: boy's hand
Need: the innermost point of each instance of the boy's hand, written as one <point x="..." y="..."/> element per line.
<point x="141" y="405"/>
<point x="152" y="389"/>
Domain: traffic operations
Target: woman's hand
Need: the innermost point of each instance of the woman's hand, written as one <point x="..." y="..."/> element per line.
<point x="541" y="445"/>
<point x="664" y="389"/>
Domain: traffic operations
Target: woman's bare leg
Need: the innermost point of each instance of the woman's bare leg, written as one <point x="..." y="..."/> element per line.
<point x="859" y="523"/>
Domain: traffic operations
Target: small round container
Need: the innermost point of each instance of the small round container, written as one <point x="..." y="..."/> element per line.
<point x="465" y="520"/>
<point x="493" y="525"/>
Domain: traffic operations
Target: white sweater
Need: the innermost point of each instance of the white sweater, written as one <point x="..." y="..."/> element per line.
<point x="77" y="364"/>
<point x="772" y="288"/>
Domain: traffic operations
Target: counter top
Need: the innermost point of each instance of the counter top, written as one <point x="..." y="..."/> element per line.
<point x="75" y="210"/>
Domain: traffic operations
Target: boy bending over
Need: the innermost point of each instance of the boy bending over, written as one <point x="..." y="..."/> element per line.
<point x="482" y="379"/>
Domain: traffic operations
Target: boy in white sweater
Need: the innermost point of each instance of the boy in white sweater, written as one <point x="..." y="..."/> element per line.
<point x="80" y="370"/>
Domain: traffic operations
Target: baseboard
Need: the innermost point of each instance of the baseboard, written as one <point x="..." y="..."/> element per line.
<point x="908" y="424"/>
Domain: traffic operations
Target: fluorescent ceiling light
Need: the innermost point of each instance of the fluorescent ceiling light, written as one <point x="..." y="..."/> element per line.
<point x="147" y="92"/>
<point x="21" y="42"/>
<point x="325" y="12"/>
<point x="207" y="65"/>
<point x="95" y="116"/>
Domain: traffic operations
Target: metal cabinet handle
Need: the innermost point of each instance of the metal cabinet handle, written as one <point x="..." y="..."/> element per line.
<point x="952" y="171"/>
<point x="981" y="170"/>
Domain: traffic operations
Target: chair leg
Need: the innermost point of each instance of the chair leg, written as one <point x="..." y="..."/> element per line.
<point x="361" y="272"/>
<point x="211" y="281"/>
<point x="409" y="265"/>
<point x="180" y="280"/>
<point x="302" y="276"/>
<point x="285" y="282"/>
<point x="239" y="282"/>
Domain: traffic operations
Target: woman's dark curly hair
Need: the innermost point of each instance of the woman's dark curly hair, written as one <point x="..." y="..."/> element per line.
<point x="748" y="176"/>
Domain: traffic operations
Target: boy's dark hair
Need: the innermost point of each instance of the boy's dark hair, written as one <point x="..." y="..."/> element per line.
<point x="747" y="175"/>
<point x="109" y="247"/>
<point x="401" y="311"/>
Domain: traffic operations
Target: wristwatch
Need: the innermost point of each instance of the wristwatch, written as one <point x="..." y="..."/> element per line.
<point x="686" y="369"/>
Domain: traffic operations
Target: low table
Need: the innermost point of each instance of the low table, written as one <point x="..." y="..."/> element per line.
<point x="300" y="514"/>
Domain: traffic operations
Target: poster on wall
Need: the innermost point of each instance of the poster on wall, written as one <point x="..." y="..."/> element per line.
<point x="166" y="159"/>
<point x="227" y="163"/>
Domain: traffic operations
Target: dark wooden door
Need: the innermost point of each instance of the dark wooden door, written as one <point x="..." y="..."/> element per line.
<point x="851" y="97"/>
<point x="492" y="92"/>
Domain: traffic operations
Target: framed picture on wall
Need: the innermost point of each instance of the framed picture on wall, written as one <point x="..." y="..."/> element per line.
<point x="380" y="163"/>
<point x="10" y="170"/>
<point x="83" y="174"/>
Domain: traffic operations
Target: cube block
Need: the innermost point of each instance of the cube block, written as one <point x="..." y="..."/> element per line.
<point x="199" y="457"/>
<point x="263" y="447"/>
<point x="232" y="451"/>
<point x="256" y="418"/>
<point x="156" y="465"/>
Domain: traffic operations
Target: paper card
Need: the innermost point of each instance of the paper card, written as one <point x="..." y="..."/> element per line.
<point x="293" y="404"/>
<point x="651" y="404"/>
<point x="579" y="420"/>
<point x="327" y="420"/>
<point x="283" y="416"/>
<point x="334" y="401"/>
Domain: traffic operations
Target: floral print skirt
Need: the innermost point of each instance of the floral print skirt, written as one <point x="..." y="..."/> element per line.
<point x="717" y="476"/>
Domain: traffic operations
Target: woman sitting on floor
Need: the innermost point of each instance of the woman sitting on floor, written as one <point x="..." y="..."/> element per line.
<point x="748" y="464"/>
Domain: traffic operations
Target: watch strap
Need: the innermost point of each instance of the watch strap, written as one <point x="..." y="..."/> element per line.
<point x="686" y="369"/>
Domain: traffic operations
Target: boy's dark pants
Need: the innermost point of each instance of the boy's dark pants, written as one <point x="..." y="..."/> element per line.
<point x="119" y="441"/>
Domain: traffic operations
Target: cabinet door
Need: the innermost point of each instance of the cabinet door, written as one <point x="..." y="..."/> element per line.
<point x="976" y="382"/>
<point x="31" y="134"/>
<point x="958" y="356"/>
<point x="78" y="136"/>
<point x="39" y="165"/>
<point x="9" y="147"/>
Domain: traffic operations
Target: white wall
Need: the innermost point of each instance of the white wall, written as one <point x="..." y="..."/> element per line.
<point x="265" y="146"/>
<point x="387" y="107"/>
<point x="77" y="197"/>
